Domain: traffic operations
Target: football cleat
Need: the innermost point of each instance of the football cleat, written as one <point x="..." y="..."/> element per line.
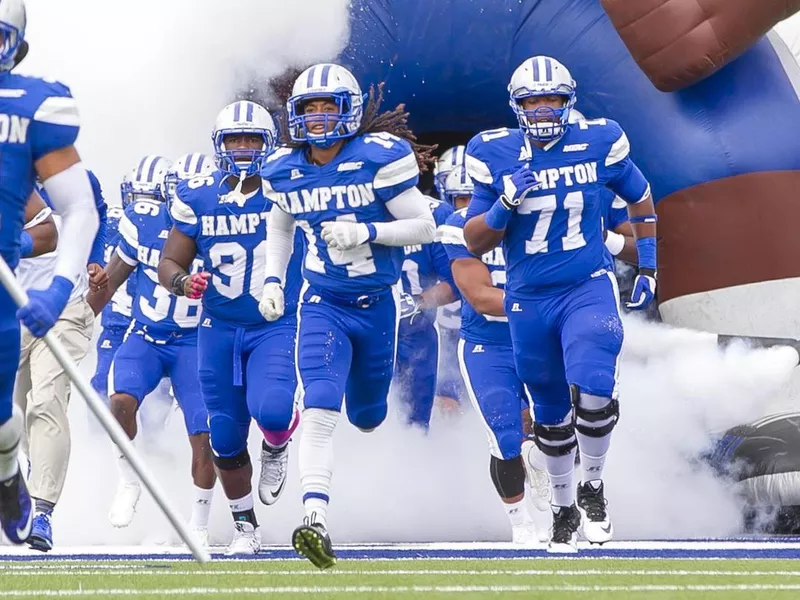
<point x="124" y="504"/>
<point x="312" y="541"/>
<point x="16" y="510"/>
<point x="596" y="527"/>
<point x="246" y="540"/>
<point x="41" y="533"/>
<point x="274" y="462"/>
<point x="201" y="533"/>
<point x="564" y="532"/>
<point x="524" y="534"/>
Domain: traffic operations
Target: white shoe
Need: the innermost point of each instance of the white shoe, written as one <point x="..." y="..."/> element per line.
<point x="274" y="464"/>
<point x="124" y="505"/>
<point x="201" y="533"/>
<point x="538" y="480"/>
<point x="525" y="534"/>
<point x="246" y="539"/>
<point x="596" y="525"/>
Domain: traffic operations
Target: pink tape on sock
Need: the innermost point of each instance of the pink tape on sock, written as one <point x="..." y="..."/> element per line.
<point x="279" y="438"/>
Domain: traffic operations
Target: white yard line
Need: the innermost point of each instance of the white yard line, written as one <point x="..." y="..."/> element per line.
<point x="461" y="589"/>
<point x="83" y="571"/>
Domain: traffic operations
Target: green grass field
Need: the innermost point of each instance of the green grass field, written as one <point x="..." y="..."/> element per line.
<point x="598" y="579"/>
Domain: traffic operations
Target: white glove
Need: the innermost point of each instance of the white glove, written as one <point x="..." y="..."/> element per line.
<point x="344" y="235"/>
<point x="271" y="305"/>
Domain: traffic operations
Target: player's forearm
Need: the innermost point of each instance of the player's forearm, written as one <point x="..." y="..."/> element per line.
<point x="43" y="239"/>
<point x="439" y="295"/>
<point x="72" y="197"/>
<point x="96" y="255"/>
<point x="168" y="271"/>
<point x="280" y="244"/>
<point x="118" y="272"/>
<point x="480" y="237"/>
<point x="643" y="222"/>
<point x="488" y="300"/>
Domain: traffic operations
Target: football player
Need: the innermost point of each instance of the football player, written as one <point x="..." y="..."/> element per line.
<point x="161" y="341"/>
<point x="247" y="366"/>
<point x="42" y="123"/>
<point x="349" y="183"/>
<point x="539" y="191"/>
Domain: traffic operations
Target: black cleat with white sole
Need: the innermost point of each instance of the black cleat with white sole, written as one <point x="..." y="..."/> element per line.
<point x="564" y="533"/>
<point x="596" y="526"/>
<point x="312" y="541"/>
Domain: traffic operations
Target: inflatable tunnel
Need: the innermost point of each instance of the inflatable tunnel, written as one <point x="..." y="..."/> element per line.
<point x="721" y="147"/>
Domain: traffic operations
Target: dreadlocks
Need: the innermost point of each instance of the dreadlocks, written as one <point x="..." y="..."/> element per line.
<point x="395" y="122"/>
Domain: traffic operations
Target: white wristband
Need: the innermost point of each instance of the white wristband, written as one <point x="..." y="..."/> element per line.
<point x="615" y="242"/>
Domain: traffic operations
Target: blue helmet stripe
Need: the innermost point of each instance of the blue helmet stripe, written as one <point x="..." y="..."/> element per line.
<point x="548" y="73"/>
<point x="151" y="173"/>
<point x="325" y="71"/>
<point x="192" y="163"/>
<point x="237" y="111"/>
<point x="535" y="62"/>
<point x="249" y="117"/>
<point x="140" y="171"/>
<point x="310" y="81"/>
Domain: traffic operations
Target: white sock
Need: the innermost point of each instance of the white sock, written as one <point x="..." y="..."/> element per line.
<point x="242" y="504"/>
<point x="517" y="512"/>
<point x="201" y="507"/>
<point x="315" y="458"/>
<point x="10" y="433"/>
<point x="593" y="449"/>
<point x="560" y="470"/>
<point x="127" y="475"/>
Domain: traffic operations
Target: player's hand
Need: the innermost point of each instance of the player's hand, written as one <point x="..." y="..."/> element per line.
<point x="644" y="290"/>
<point x="344" y="235"/>
<point x="98" y="278"/>
<point x="272" y="304"/>
<point x="196" y="285"/>
<point x="45" y="306"/>
<point x="517" y="186"/>
<point x="410" y="307"/>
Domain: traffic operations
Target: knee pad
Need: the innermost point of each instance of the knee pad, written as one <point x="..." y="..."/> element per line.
<point x="599" y="418"/>
<point x="228" y="437"/>
<point x="275" y="411"/>
<point x="233" y="462"/>
<point x="322" y="394"/>
<point x="556" y="440"/>
<point x="369" y="418"/>
<point x="508" y="476"/>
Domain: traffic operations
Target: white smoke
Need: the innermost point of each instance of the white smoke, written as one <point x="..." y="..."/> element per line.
<point x="150" y="76"/>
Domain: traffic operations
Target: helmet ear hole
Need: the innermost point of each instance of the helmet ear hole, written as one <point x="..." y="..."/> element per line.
<point x="22" y="52"/>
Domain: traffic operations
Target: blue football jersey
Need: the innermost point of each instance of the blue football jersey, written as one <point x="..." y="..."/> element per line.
<point x="117" y="313"/>
<point x="616" y="212"/>
<point x="231" y="239"/>
<point x="475" y="327"/>
<point x="36" y="117"/>
<point x="425" y="265"/>
<point x="370" y="170"/>
<point x="143" y="230"/>
<point x="554" y="239"/>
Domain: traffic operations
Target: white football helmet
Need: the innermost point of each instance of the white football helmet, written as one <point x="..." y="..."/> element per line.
<point x="449" y="160"/>
<point x="13" y="21"/>
<point x="458" y="183"/>
<point x="332" y="82"/>
<point x="187" y="166"/>
<point x="542" y="76"/>
<point x="243" y="117"/>
<point x="145" y="180"/>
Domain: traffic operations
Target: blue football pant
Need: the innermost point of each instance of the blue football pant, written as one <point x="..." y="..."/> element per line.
<point x="244" y="374"/>
<point x="571" y="338"/>
<point x="415" y="372"/>
<point x="139" y="366"/>
<point x="496" y="393"/>
<point x="108" y="343"/>
<point x="9" y="353"/>
<point x="449" y="382"/>
<point x="347" y="350"/>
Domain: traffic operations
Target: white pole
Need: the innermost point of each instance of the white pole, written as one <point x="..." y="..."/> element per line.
<point x="108" y="421"/>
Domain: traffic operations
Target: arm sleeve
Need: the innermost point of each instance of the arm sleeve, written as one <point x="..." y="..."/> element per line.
<point x="97" y="255"/>
<point x="624" y="177"/>
<point x="414" y="224"/>
<point x="280" y="243"/>
<point x="71" y="195"/>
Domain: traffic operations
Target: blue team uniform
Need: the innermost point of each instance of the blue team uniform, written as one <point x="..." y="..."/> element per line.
<point x="38" y="117"/>
<point x="162" y="339"/>
<point x="561" y="294"/>
<point x="349" y="304"/>
<point x="246" y="365"/>
<point x="449" y="382"/>
<point x="418" y="342"/>
<point x="115" y="318"/>
<point x="486" y="356"/>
